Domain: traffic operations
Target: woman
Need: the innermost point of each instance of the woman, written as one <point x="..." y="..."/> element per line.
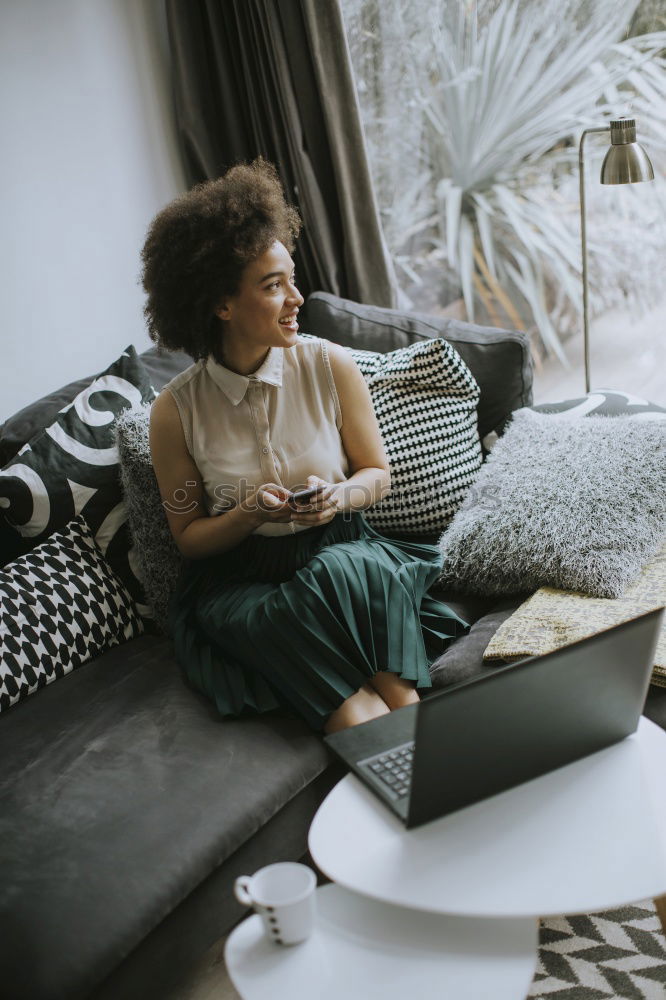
<point x="281" y="603"/>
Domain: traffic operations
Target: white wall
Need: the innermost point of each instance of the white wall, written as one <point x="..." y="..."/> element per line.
<point x="89" y="154"/>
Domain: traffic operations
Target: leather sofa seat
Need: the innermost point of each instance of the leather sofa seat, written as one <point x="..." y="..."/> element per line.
<point x="98" y="861"/>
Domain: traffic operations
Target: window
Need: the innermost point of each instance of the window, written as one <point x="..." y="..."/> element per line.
<point x="473" y="113"/>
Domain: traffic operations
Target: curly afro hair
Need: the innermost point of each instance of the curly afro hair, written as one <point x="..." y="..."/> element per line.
<point x="198" y="247"/>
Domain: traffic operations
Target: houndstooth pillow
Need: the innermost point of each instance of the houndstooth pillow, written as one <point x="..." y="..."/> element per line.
<point x="60" y="605"/>
<point x="425" y="398"/>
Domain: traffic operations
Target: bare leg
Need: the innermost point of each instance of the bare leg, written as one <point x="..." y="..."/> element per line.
<point x="362" y="706"/>
<point x="394" y="690"/>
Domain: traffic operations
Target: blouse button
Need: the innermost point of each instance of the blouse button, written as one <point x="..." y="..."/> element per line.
<point x="265" y="451"/>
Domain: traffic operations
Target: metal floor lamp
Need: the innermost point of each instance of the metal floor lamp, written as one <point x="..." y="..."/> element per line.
<point x="626" y="162"/>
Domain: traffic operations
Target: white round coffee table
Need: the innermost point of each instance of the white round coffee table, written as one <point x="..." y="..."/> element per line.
<point x="587" y="837"/>
<point x="365" y="950"/>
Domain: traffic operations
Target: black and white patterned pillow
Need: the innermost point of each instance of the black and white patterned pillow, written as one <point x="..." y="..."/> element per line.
<point x="60" y="606"/>
<point x="425" y="398"/>
<point x="72" y="468"/>
<point x="604" y="403"/>
<point x="600" y="403"/>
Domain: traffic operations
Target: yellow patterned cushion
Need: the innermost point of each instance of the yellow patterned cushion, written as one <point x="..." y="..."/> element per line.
<point x="551" y="618"/>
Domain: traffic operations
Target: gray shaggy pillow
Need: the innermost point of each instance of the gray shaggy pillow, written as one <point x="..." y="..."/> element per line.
<point x="157" y="556"/>
<point x="576" y="505"/>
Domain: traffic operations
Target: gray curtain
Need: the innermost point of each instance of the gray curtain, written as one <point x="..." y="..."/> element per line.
<point x="274" y="77"/>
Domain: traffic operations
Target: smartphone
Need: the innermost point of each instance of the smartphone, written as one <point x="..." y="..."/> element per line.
<point x="303" y="496"/>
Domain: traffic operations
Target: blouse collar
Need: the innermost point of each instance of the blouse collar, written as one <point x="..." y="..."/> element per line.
<point x="234" y="386"/>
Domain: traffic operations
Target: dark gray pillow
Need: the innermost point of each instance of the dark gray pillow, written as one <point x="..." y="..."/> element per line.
<point x="157" y="556"/>
<point x="498" y="359"/>
<point x="572" y="504"/>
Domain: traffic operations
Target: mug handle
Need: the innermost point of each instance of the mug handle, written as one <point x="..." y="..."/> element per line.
<point x="241" y="890"/>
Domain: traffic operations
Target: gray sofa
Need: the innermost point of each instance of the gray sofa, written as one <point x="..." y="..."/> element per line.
<point x="128" y="807"/>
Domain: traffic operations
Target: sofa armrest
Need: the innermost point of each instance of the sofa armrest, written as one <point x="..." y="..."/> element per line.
<point x="499" y="359"/>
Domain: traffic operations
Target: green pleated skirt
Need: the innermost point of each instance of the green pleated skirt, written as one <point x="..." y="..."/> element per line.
<point x="302" y="621"/>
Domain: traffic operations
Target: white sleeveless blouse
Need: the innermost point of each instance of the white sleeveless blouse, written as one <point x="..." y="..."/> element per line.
<point x="279" y="425"/>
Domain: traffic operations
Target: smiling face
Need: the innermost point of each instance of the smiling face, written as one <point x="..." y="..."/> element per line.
<point x="263" y="311"/>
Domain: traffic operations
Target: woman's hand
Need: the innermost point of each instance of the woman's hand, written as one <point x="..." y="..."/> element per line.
<point x="321" y="509"/>
<point x="268" y="503"/>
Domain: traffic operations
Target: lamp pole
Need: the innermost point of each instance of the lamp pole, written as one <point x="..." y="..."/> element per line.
<point x="626" y="162"/>
<point x="583" y="239"/>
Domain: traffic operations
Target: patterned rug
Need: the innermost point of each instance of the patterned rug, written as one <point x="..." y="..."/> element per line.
<point x="615" y="955"/>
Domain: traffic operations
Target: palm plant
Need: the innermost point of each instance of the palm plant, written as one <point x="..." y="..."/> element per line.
<point x="502" y="103"/>
<point x="477" y="156"/>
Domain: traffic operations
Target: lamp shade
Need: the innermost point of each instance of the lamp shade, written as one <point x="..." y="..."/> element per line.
<point x="626" y="161"/>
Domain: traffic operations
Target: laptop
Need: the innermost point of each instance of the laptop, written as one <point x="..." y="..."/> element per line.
<point x="484" y="735"/>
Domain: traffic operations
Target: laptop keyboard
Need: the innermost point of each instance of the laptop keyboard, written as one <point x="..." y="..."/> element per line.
<point x="393" y="768"/>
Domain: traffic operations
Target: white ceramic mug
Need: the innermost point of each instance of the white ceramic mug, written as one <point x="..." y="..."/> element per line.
<point x="284" y="897"/>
